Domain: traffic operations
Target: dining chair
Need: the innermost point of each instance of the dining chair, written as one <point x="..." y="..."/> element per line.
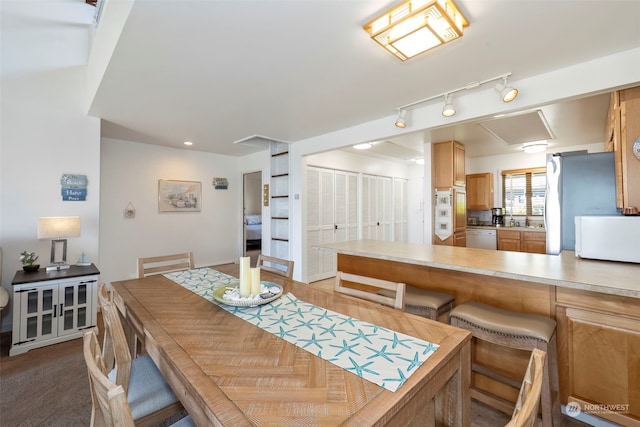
<point x="275" y="265"/>
<point x="164" y="264"/>
<point x="133" y="332"/>
<point x="525" y="413"/>
<point x="149" y="395"/>
<point x="110" y="406"/>
<point x="396" y="301"/>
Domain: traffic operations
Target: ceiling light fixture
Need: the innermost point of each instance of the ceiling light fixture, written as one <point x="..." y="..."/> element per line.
<point x="415" y="26"/>
<point x="507" y="93"/>
<point x="188" y="143"/>
<point x="401" y="121"/>
<point x="535" y="147"/>
<point x="448" y="110"/>
<point x="363" y="146"/>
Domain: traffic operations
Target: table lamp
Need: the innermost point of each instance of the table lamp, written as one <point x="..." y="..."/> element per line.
<point x="57" y="229"/>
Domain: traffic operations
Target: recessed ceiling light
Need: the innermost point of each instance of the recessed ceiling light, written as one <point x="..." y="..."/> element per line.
<point x="363" y="146"/>
<point x="188" y="143"/>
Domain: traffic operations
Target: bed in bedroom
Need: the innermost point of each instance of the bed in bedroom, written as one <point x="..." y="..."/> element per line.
<point x="253" y="230"/>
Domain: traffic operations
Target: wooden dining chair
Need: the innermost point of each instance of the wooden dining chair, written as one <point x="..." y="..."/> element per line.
<point x="164" y="264"/>
<point x="275" y="265"/>
<point x="110" y="406"/>
<point x="396" y="301"/>
<point x="525" y="413"/>
<point x="150" y="397"/>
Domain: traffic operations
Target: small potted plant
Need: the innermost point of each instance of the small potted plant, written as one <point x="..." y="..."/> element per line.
<point x="27" y="259"/>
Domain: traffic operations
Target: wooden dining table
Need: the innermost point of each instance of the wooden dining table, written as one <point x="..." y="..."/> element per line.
<point x="229" y="372"/>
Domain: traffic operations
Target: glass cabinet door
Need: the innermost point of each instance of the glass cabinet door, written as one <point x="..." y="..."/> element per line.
<point x="39" y="308"/>
<point x="75" y="306"/>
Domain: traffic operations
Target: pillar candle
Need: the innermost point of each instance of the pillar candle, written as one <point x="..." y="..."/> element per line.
<point x="245" y="276"/>
<point x="255" y="281"/>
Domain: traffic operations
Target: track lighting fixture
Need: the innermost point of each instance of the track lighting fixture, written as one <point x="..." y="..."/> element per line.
<point x="507" y="93"/>
<point x="401" y="121"/>
<point x="448" y="110"/>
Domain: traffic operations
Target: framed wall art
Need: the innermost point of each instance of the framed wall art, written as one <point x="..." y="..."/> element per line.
<point x="179" y="196"/>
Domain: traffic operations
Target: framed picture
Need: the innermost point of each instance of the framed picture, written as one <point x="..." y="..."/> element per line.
<point x="179" y="196"/>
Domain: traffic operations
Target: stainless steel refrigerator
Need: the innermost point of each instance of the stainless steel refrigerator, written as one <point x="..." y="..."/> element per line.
<point x="577" y="184"/>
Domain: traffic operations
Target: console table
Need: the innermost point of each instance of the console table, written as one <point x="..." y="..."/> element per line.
<point x="52" y="307"/>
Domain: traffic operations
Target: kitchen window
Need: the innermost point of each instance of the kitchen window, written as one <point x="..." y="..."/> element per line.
<point x="523" y="191"/>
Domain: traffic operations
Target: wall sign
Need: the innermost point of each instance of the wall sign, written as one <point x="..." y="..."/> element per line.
<point x="73" y="187"/>
<point x="220" y="183"/>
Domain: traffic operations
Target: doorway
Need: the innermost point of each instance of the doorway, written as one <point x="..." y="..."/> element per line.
<point x="252" y="215"/>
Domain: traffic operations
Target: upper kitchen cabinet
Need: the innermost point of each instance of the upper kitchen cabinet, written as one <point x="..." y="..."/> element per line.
<point x="623" y="129"/>
<point x="480" y="191"/>
<point x="448" y="164"/>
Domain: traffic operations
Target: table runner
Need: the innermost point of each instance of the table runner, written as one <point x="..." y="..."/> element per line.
<point x="379" y="355"/>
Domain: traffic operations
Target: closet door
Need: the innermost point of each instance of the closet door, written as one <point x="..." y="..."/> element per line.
<point x="332" y="207"/>
<point x="376" y="207"/>
<point x="346" y="206"/>
<point x="400" y="212"/>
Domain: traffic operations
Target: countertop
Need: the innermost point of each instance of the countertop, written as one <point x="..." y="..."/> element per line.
<point x="504" y="227"/>
<point x="564" y="270"/>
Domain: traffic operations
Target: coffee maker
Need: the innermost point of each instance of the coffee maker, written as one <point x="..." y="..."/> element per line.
<point x="497" y="217"/>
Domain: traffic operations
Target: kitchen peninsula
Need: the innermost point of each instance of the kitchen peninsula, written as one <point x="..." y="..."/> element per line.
<point x="596" y="305"/>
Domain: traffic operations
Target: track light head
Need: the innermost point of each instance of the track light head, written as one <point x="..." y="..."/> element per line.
<point x="448" y="110"/>
<point x="401" y="121"/>
<point x="507" y="93"/>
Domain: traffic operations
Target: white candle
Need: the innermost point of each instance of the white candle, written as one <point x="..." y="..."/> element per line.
<point x="255" y="281"/>
<point x="245" y="277"/>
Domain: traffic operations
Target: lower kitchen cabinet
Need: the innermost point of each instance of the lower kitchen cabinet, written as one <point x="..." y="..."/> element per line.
<point x="509" y="240"/>
<point x="522" y="241"/>
<point x="601" y="364"/>
<point x="52" y="307"/>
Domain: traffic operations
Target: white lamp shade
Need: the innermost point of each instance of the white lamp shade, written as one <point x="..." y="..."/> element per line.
<point x="52" y="227"/>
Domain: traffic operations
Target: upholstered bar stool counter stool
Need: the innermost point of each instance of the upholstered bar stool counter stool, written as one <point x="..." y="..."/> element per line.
<point x="519" y="331"/>
<point x="425" y="303"/>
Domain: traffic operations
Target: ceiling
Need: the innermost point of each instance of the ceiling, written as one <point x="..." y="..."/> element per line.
<point x="218" y="72"/>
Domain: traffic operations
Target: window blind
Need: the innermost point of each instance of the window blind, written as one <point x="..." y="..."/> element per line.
<point x="523" y="191"/>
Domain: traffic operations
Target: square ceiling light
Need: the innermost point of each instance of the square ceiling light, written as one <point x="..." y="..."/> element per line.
<point x="415" y="26"/>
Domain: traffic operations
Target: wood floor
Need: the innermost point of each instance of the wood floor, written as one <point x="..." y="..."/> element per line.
<point x="49" y="387"/>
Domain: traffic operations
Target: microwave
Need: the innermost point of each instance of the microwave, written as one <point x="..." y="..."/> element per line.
<point x="610" y="238"/>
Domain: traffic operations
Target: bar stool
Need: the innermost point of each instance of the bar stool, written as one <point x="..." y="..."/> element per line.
<point x="425" y="303"/>
<point x="519" y="331"/>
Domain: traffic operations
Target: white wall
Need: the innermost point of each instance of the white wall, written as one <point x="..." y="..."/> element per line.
<point x="44" y="135"/>
<point x="130" y="173"/>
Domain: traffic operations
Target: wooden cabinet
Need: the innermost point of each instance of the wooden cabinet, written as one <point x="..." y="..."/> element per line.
<point x="599" y="364"/>
<point x="623" y="128"/>
<point x="509" y="240"/>
<point x="479" y="191"/>
<point x="50" y="308"/>
<point x="522" y="241"/>
<point x="448" y="164"/>
<point x="533" y="242"/>
<point x="447" y="170"/>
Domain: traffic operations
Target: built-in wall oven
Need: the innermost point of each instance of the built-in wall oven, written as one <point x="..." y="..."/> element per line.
<point x="482" y="238"/>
